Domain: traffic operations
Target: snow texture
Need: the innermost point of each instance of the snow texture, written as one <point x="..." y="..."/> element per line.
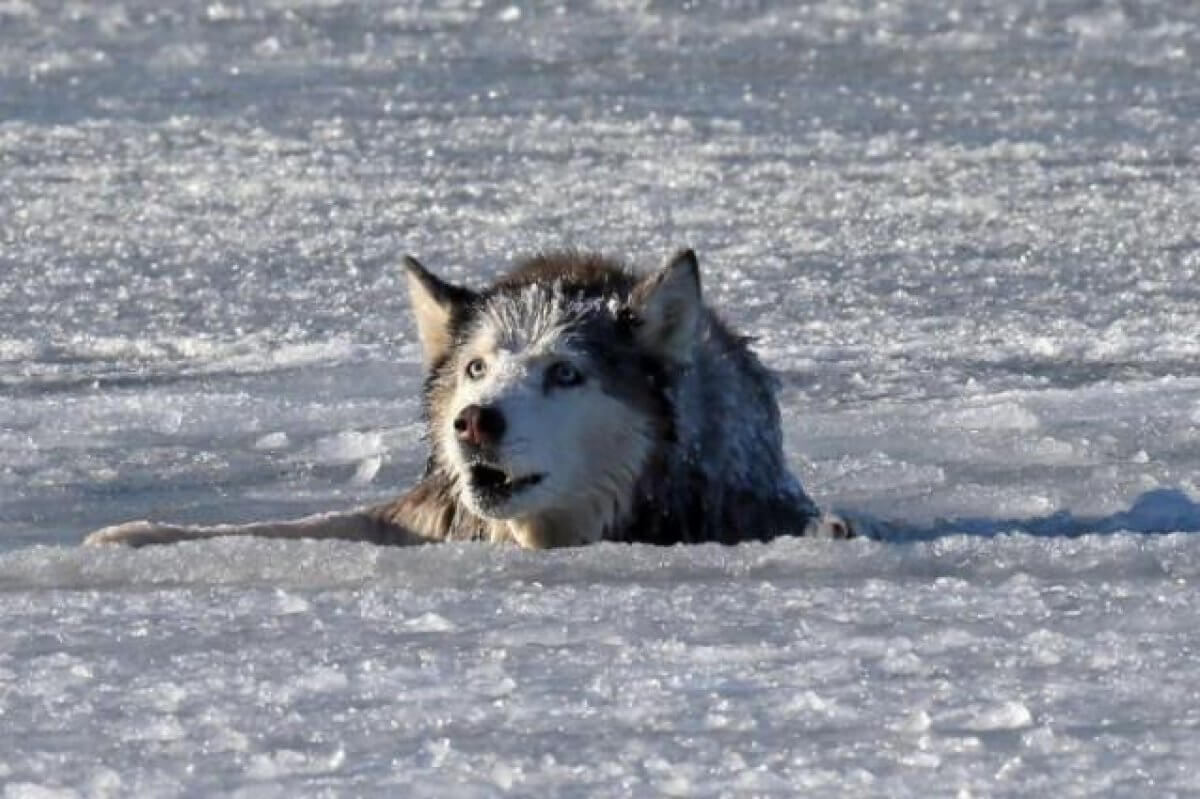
<point x="963" y="233"/>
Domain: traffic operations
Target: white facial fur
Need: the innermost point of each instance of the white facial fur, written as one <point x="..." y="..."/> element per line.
<point x="588" y="446"/>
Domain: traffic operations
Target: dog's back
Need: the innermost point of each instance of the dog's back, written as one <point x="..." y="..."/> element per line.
<point x="726" y="478"/>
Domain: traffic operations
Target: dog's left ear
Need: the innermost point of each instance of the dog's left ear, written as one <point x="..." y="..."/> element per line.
<point x="669" y="308"/>
<point x="435" y="305"/>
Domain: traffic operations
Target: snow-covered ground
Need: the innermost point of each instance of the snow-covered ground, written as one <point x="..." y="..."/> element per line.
<point x="965" y="234"/>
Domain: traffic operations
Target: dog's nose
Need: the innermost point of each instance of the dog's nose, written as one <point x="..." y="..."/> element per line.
<point x="480" y="425"/>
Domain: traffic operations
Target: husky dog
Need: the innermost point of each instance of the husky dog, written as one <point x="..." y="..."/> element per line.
<point x="575" y="401"/>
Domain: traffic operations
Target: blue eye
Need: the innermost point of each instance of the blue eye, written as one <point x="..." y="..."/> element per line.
<point x="563" y="375"/>
<point x="476" y="368"/>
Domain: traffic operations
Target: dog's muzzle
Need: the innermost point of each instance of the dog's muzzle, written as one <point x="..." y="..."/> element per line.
<point x="492" y="486"/>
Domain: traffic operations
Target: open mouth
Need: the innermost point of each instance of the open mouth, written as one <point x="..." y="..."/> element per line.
<point x="495" y="485"/>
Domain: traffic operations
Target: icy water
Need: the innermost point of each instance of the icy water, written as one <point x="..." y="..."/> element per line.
<point x="964" y="233"/>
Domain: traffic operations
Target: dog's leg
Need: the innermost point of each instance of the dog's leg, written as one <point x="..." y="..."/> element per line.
<point x="357" y="526"/>
<point x="423" y="515"/>
<point x="830" y="525"/>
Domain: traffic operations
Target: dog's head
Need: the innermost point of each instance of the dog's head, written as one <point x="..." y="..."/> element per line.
<point x="548" y="394"/>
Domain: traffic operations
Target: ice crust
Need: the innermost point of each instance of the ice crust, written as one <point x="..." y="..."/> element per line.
<point x="992" y="665"/>
<point x="963" y="233"/>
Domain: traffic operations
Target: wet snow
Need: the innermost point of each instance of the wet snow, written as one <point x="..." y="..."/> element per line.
<point x="963" y="233"/>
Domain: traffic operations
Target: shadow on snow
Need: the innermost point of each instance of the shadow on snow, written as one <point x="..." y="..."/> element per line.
<point x="1163" y="510"/>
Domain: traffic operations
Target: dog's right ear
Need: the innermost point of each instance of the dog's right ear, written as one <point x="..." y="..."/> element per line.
<point x="435" y="305"/>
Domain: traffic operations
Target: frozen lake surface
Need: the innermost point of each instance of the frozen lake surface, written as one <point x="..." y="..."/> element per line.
<point x="964" y="234"/>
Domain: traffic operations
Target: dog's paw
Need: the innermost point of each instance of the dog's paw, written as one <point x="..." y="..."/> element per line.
<point x="130" y="534"/>
<point x="830" y="525"/>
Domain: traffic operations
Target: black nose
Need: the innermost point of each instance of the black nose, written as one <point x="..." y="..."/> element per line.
<point x="480" y="425"/>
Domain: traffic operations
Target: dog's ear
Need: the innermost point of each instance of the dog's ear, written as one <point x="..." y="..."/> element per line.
<point x="669" y="308"/>
<point x="435" y="305"/>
